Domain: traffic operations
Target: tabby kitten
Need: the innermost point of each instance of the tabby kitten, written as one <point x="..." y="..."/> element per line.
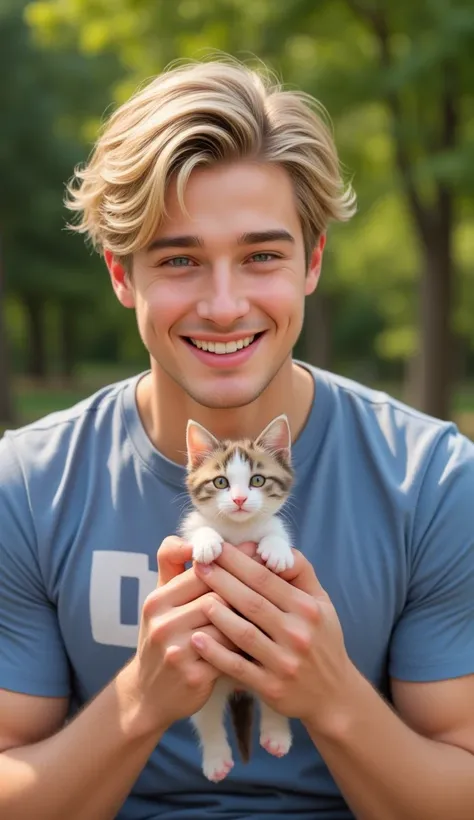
<point x="236" y="488"/>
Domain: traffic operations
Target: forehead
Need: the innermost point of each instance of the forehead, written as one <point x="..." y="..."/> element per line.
<point x="226" y="201"/>
<point x="238" y="468"/>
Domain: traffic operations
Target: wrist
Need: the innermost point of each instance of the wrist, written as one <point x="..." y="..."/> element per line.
<point x="137" y="721"/>
<point x="335" y="720"/>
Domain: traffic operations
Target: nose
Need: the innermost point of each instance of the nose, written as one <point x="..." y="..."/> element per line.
<point x="240" y="500"/>
<point x="223" y="304"/>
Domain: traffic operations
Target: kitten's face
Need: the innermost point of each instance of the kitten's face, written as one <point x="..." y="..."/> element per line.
<point x="239" y="480"/>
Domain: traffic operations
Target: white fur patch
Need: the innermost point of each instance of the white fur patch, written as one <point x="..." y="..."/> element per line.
<point x="238" y="475"/>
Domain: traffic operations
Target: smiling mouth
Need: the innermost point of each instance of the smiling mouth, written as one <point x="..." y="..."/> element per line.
<point x="223" y="348"/>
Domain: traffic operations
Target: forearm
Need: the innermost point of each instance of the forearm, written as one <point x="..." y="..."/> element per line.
<point x="86" y="770"/>
<point x="384" y="769"/>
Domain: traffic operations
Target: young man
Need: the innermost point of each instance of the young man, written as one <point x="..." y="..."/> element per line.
<point x="209" y="194"/>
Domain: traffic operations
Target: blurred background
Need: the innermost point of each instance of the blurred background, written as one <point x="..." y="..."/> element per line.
<point x="395" y="307"/>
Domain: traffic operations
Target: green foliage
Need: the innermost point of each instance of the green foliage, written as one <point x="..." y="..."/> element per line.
<point x="45" y="97"/>
<point x="385" y="71"/>
<point x="34" y="163"/>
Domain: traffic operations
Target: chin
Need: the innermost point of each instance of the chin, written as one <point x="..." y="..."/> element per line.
<point x="225" y="397"/>
<point x="245" y="515"/>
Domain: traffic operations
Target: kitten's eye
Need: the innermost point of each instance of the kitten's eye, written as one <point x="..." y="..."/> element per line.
<point x="257" y="481"/>
<point x="220" y="483"/>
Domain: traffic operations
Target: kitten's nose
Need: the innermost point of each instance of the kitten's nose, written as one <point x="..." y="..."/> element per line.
<point x="240" y="500"/>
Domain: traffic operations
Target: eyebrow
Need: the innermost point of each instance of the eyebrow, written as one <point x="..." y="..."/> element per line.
<point x="252" y="238"/>
<point x="256" y="237"/>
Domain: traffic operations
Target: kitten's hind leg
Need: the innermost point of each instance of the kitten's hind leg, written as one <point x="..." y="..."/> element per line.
<point x="209" y="723"/>
<point x="275" y="731"/>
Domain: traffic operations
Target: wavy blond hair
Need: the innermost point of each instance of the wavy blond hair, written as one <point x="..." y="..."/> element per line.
<point x="198" y="114"/>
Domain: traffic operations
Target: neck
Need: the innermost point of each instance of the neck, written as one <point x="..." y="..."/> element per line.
<point x="165" y="408"/>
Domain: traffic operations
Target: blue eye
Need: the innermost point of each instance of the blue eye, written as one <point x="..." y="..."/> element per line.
<point x="263" y="257"/>
<point x="179" y="262"/>
<point x="220" y="483"/>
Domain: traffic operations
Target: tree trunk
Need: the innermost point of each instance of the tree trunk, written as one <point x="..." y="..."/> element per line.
<point x="67" y="340"/>
<point x="435" y="386"/>
<point x="434" y="225"/>
<point x="7" y="416"/>
<point x="36" y="360"/>
<point x="317" y="336"/>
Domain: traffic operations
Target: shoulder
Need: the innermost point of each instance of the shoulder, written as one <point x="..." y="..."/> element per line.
<point x="43" y="444"/>
<point x="55" y="457"/>
<point x="379" y="407"/>
<point x="424" y="464"/>
<point x="51" y="468"/>
<point x="394" y="433"/>
<point x="438" y="460"/>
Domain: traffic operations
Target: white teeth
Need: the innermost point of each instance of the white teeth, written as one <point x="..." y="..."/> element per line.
<point x="223" y="347"/>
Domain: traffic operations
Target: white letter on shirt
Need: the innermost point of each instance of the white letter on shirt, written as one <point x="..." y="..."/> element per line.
<point x="108" y="569"/>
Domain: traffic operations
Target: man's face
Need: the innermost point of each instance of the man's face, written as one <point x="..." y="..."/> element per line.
<point x="229" y="275"/>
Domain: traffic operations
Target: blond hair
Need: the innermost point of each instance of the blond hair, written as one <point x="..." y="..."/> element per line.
<point x="198" y="114"/>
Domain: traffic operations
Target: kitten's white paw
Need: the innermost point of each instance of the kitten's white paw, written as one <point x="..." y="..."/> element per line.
<point x="217" y="763"/>
<point x="276" y="552"/>
<point x="206" y="544"/>
<point x="276" y="742"/>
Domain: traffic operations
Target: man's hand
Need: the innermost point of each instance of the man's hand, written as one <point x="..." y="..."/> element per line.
<point x="290" y="628"/>
<point x="170" y="680"/>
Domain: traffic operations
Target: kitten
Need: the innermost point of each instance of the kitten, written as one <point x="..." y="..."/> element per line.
<point x="236" y="488"/>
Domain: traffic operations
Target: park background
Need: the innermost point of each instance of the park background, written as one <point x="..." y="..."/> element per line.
<point x="395" y="307"/>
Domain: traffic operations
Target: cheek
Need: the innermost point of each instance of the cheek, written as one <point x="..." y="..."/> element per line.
<point x="214" y="503"/>
<point x="282" y="296"/>
<point x="255" y="499"/>
<point x="163" y="304"/>
<point x="223" y="500"/>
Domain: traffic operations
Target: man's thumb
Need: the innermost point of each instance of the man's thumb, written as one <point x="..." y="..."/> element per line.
<point x="173" y="554"/>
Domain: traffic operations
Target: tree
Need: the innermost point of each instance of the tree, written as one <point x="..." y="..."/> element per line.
<point x="6" y="401"/>
<point x="46" y="99"/>
<point x="395" y="78"/>
<point x="424" y="83"/>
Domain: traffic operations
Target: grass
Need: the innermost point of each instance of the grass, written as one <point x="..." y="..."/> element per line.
<point x="35" y="400"/>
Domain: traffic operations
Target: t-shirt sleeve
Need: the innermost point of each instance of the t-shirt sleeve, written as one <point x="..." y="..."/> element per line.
<point x="32" y="655"/>
<point x="434" y="637"/>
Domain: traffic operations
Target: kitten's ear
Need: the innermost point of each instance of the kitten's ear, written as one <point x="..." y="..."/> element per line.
<point x="199" y="442"/>
<point x="277" y="437"/>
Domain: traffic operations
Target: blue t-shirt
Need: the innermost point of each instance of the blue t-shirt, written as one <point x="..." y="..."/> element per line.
<point x="383" y="507"/>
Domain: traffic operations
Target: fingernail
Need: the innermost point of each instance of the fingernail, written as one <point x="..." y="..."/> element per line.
<point x="198" y="641"/>
<point x="205" y="569"/>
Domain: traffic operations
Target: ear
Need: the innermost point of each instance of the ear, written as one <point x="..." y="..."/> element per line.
<point x="314" y="269"/>
<point x="277" y="437"/>
<point x="121" y="281"/>
<point x="199" y="442"/>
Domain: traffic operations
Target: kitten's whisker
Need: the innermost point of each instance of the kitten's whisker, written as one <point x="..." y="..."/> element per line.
<point x="183" y="500"/>
<point x="180" y="497"/>
<point x="287" y="520"/>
